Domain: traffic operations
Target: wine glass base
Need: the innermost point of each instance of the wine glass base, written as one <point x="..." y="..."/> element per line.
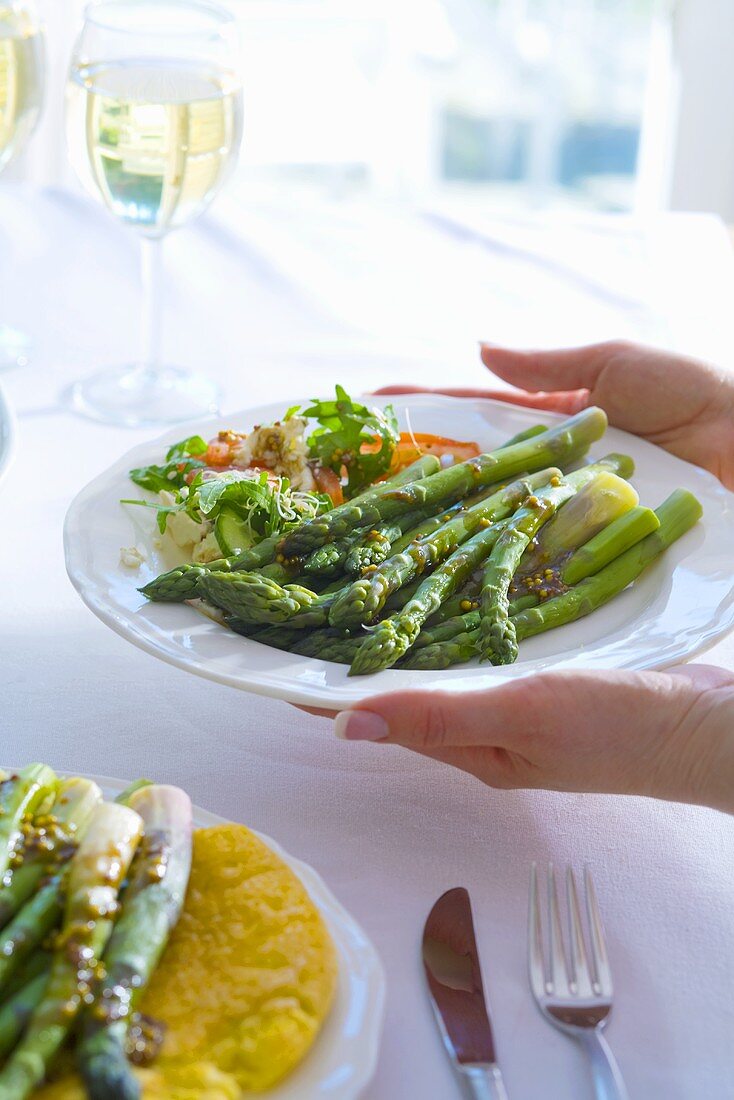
<point x="134" y="397"/>
<point x="15" y="348"/>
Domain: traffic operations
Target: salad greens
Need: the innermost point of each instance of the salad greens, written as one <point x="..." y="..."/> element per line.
<point x="264" y="503"/>
<point x="344" y="426"/>
<point x="181" y="460"/>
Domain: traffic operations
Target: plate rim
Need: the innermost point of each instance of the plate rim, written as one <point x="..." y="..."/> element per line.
<point x="333" y="912"/>
<point x="333" y="697"/>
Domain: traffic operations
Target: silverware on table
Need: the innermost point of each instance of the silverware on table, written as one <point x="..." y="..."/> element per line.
<point x="454" y="977"/>
<point x="577" y="998"/>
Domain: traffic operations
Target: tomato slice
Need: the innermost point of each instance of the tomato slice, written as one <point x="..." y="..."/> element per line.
<point x="328" y="482"/>
<point x="411" y="447"/>
<point x="218" y="453"/>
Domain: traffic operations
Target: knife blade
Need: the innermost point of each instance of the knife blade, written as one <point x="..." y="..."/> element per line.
<point x="451" y="963"/>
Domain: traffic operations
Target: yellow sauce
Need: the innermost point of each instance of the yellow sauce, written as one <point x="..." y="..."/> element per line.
<point x="246" y="981"/>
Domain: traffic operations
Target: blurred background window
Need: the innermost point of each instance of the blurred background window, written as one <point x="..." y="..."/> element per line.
<point x="522" y="102"/>
<point x="600" y="105"/>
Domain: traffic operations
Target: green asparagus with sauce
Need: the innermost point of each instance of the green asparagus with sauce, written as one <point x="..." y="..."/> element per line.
<point x="565" y="443"/>
<point x="150" y="908"/>
<point x="499" y="641"/>
<point x="95" y="876"/>
<point x="676" y="515"/>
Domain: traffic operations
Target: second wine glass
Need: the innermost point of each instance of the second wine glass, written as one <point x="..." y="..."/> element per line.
<point x="21" y="98"/>
<point x="154" y="123"/>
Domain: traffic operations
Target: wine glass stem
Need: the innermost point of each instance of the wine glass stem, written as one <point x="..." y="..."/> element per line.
<point x="151" y="270"/>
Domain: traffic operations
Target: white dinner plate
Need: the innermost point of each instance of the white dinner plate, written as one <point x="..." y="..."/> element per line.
<point x="7" y="434"/>
<point x="679" y="607"/>
<point x="343" y="1057"/>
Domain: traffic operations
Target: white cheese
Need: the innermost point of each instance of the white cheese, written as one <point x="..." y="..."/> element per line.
<point x="131" y="557"/>
<point x="281" y="448"/>
<point x="208" y="549"/>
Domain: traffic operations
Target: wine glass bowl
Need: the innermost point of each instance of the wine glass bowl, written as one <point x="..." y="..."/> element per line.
<point x="21" y="77"/>
<point x="21" y="100"/>
<point x="153" y="123"/>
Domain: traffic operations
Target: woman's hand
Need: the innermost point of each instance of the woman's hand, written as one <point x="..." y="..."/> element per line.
<point x="664" y="734"/>
<point x="681" y="404"/>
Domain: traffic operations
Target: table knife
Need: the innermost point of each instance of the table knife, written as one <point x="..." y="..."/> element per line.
<point x="451" y="962"/>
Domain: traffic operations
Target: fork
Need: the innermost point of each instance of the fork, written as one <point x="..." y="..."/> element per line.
<point x="576" y="998"/>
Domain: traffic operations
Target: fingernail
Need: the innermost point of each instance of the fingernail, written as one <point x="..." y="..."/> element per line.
<point x="360" y="725"/>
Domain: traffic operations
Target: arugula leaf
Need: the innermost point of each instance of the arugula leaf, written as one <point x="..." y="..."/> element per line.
<point x="172" y="476"/>
<point x="180" y="461"/>
<point x="344" y="426"/>
<point x="162" y="511"/>
<point x="246" y="494"/>
<point x="194" y="445"/>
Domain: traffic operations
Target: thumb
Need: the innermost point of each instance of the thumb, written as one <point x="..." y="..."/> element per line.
<point x="564" y="369"/>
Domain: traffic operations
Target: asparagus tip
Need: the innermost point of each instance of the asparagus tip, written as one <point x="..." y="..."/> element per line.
<point x="381" y="648"/>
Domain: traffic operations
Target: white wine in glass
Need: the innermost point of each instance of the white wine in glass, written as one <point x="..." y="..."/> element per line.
<point x="21" y="99"/>
<point x="154" y="120"/>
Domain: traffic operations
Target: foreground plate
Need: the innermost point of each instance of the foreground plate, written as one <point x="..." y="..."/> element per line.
<point x="343" y="1058"/>
<point x="679" y="607"/>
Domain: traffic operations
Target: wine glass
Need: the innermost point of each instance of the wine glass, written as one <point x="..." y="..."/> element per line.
<point x="153" y="125"/>
<point x="21" y="98"/>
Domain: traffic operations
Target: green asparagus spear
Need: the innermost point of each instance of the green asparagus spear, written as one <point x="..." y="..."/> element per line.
<point x="443" y="654"/>
<point x="427" y="526"/>
<point x="366" y="546"/>
<point x="465" y="600"/>
<point x="417" y="526"/>
<point x="392" y="638"/>
<point x="375" y="546"/>
<point x="151" y="906"/>
<point x="677" y="515"/>
<point x="95" y="875"/>
<point x="137" y="785"/>
<point x="498" y="640"/>
<point x="441" y="629"/>
<point x="561" y="445"/>
<point x="589" y="512"/>
<point x="39" y="962"/>
<point x="30" y="927"/>
<point x="18" y="1009"/>
<point x="528" y="433"/>
<point x="609" y="544"/>
<point x="328" y="645"/>
<point x="327" y="560"/>
<point x="363" y="600"/>
<point x="20" y="796"/>
<point x="449" y="628"/>
<point x="181" y="583"/>
<point x="279" y="637"/>
<point x="253" y="597"/>
<point x="49" y="842"/>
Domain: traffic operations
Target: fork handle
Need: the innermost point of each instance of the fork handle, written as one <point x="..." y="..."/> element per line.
<point x="608" y="1081"/>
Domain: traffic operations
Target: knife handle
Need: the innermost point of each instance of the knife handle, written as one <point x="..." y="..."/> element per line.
<point x="483" y="1082"/>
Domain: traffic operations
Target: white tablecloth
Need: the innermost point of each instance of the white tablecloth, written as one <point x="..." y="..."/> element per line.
<point x="388" y="831"/>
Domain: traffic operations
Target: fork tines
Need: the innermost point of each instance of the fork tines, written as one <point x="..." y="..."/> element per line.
<point x="565" y="971"/>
